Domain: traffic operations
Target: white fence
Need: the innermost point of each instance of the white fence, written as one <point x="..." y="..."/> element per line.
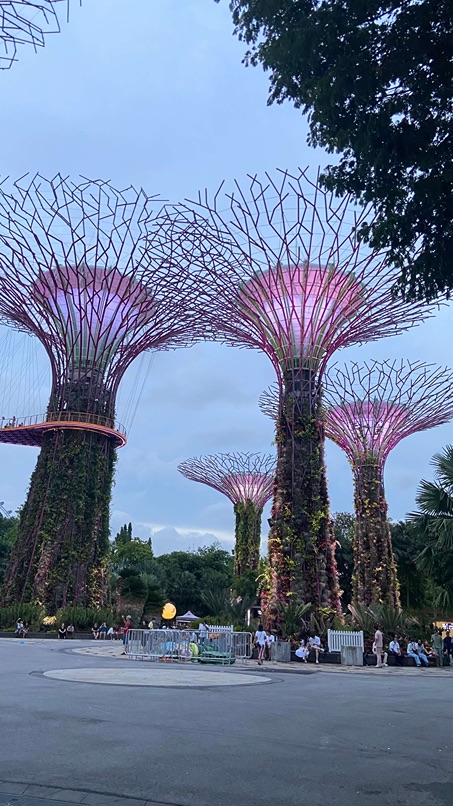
<point x="338" y="638"/>
<point x="221" y="647"/>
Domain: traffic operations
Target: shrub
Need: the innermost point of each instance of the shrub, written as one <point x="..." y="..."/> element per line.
<point x="83" y="618"/>
<point x="31" y="614"/>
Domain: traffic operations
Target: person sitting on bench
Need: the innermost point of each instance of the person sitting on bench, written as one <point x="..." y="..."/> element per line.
<point x="395" y="651"/>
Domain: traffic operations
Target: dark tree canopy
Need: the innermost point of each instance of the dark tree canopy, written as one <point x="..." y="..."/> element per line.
<point x="375" y="77"/>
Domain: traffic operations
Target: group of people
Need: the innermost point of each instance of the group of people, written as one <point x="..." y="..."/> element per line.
<point x="4" y="423"/>
<point x="66" y="631"/>
<point x="263" y="641"/>
<point x="310" y="643"/>
<point x="440" y="649"/>
<point x="21" y="629"/>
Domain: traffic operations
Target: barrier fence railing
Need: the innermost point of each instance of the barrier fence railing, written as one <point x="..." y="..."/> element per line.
<point x="223" y="648"/>
<point x="338" y="638"/>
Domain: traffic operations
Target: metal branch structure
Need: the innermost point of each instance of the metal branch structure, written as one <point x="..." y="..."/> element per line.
<point x="24" y="22"/>
<point x="247" y="479"/>
<point x="369" y="410"/>
<point x="81" y="269"/>
<point x="283" y="266"/>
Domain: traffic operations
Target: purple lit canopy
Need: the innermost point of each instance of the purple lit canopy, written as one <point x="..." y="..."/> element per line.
<point x="241" y="477"/>
<point x="371" y="408"/>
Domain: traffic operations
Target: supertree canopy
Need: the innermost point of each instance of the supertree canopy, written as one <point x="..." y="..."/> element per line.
<point x="247" y="479"/>
<point x="286" y="272"/>
<point x="369" y="410"/>
<point x="81" y="269"/>
<point x="25" y="22"/>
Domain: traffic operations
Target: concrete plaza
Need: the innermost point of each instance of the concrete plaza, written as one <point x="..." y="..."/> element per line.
<point x="184" y="735"/>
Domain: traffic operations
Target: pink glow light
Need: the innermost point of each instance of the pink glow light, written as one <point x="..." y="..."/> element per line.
<point x="301" y="308"/>
<point x="371" y="408"/>
<point x="96" y="309"/>
<point x="243" y="487"/>
<point x="241" y="477"/>
<point x="365" y="427"/>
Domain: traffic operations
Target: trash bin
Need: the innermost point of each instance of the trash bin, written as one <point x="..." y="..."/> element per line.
<point x="351" y="656"/>
<point x="281" y="651"/>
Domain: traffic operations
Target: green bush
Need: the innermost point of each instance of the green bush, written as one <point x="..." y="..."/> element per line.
<point x="31" y="614"/>
<point x="83" y="618"/>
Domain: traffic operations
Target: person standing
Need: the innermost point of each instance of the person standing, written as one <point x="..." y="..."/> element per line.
<point x="202" y="632"/>
<point x="127" y="624"/>
<point x="378" y="646"/>
<point x="448" y="646"/>
<point x="436" y="640"/>
<point x="270" y="639"/>
<point x="260" y="641"/>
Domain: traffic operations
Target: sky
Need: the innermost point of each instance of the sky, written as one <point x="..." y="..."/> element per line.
<point x="154" y="94"/>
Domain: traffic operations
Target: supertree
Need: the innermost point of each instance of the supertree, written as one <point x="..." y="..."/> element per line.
<point x="247" y="479"/>
<point x="286" y="272"/>
<point x="81" y="269"/>
<point x="24" y="22"/>
<point x="369" y="410"/>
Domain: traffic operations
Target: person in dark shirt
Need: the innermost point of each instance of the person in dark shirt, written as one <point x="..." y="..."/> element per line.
<point x="448" y="646"/>
<point x="62" y="631"/>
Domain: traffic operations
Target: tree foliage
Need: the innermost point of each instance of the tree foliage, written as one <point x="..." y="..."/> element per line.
<point x="375" y="78"/>
<point x="433" y="524"/>
<point x="8" y="535"/>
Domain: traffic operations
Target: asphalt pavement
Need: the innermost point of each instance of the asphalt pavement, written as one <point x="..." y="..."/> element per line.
<point x="186" y="736"/>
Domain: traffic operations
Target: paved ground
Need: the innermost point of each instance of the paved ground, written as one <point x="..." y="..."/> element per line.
<point x="311" y="737"/>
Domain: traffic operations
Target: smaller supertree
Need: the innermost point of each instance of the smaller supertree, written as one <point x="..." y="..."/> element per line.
<point x="247" y="479"/>
<point x="369" y="410"/>
<point x="25" y="22"/>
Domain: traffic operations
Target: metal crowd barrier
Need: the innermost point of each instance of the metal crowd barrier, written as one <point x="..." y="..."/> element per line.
<point x="223" y="648"/>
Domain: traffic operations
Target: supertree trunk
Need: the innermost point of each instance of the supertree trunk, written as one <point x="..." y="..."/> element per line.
<point x="62" y="546"/>
<point x="248" y="537"/>
<point x="375" y="578"/>
<point x="302" y="566"/>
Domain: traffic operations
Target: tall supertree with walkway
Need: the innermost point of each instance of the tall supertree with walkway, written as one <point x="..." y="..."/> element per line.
<point x="247" y="479"/>
<point x="286" y="272"/>
<point x="25" y="22"/>
<point x="369" y="410"/>
<point x="81" y="269"/>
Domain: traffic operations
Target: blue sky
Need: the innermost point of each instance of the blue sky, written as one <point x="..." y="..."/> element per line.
<point x="153" y="93"/>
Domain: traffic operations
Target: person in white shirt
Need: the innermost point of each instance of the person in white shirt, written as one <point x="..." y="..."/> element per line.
<point x="260" y="641"/>
<point x="270" y="639"/>
<point x="412" y="651"/>
<point x="395" y="650"/>
<point x="303" y="651"/>
<point x="202" y="632"/>
<point x="110" y="633"/>
<point x="421" y="653"/>
<point x="314" y="643"/>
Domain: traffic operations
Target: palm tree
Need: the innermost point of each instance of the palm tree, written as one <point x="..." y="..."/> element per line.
<point x="291" y="618"/>
<point x="434" y="525"/>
